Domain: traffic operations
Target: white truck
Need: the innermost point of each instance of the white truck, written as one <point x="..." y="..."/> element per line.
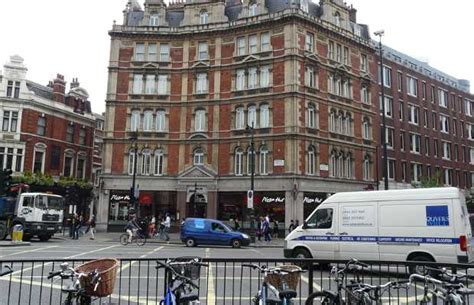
<point x="429" y="224"/>
<point x="40" y="214"/>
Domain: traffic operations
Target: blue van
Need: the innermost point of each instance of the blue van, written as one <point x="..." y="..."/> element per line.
<point x="203" y="231"/>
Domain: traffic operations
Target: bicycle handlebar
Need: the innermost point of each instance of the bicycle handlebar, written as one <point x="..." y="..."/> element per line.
<point x="176" y="274"/>
<point x="451" y="277"/>
<point x="10" y="270"/>
<point x="277" y="270"/>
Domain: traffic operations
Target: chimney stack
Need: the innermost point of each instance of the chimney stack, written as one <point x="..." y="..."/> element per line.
<point x="352" y="14"/>
<point x="59" y="88"/>
<point x="74" y="83"/>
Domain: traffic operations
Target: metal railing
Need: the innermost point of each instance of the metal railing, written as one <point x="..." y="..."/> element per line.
<point x="225" y="281"/>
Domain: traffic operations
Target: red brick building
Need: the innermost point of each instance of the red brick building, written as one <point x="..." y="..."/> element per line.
<point x="189" y="78"/>
<point x="44" y="129"/>
<point x="430" y="124"/>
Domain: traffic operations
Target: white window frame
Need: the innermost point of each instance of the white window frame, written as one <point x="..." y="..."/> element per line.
<point x="311" y="160"/>
<point x="264" y="76"/>
<point x="309" y="42"/>
<point x="154" y="20"/>
<point x="446" y="150"/>
<point x="416" y="172"/>
<point x="364" y="62"/>
<point x="240" y="79"/>
<point x="263" y="161"/>
<point x="137" y="84"/>
<point x="366" y="129"/>
<point x="131" y="161"/>
<point x="146" y="162"/>
<point x="200" y="120"/>
<point x="239" y="118"/>
<point x="68" y="153"/>
<point x="238" y="162"/>
<point x="148" y="120"/>
<point x="252" y="116"/>
<point x="252" y="78"/>
<point x="150" y="84"/>
<point x="203" y="17"/>
<point x="412" y="86"/>
<point x="158" y="163"/>
<point x="241" y="48"/>
<point x="265" y="41"/>
<point x="135" y="120"/>
<point x="365" y="95"/>
<point x="81" y="156"/>
<point x="388" y="106"/>
<point x="252" y="9"/>
<point x="443" y="123"/>
<point x="164" y="52"/>
<point x="139" y="54"/>
<point x="152" y="52"/>
<point x="201" y="83"/>
<point x="264" y="116"/>
<point x="443" y="98"/>
<point x="249" y="159"/>
<point x="160" y="120"/>
<point x="203" y="51"/>
<point x="413" y="114"/>
<point x="311" y="115"/>
<point x="198" y="157"/>
<point x="415" y="143"/>
<point x="253" y="47"/>
<point x="10" y="121"/>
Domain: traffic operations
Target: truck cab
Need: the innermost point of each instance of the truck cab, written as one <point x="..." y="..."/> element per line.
<point x="40" y="214"/>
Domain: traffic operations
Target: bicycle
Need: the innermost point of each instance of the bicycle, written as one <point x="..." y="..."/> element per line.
<point x="451" y="293"/>
<point x="138" y="236"/>
<point x="281" y="281"/>
<point x="369" y="294"/>
<point x="74" y="289"/>
<point x="179" y="275"/>
<point x="3" y="273"/>
<point x="329" y="297"/>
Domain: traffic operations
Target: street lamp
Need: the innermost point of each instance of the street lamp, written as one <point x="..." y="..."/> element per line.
<point x="384" y="140"/>
<point x="251" y="214"/>
<point x="133" y="200"/>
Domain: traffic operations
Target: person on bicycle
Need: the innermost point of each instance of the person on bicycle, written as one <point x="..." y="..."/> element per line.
<point x="131" y="226"/>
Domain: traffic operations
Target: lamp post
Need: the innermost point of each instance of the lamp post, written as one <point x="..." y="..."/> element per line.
<point x="251" y="214"/>
<point x="133" y="200"/>
<point x="384" y="140"/>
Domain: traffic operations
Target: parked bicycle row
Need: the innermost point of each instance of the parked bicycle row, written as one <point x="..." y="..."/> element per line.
<point x="192" y="280"/>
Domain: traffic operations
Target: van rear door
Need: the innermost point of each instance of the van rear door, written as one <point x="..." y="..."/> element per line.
<point x="463" y="228"/>
<point x="358" y="231"/>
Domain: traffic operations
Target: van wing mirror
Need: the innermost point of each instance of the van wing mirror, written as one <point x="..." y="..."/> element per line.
<point x="305" y="225"/>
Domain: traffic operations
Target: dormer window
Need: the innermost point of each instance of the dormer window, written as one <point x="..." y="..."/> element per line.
<point x="304" y="6"/>
<point x="252" y="9"/>
<point x="203" y="17"/>
<point x="337" y="19"/>
<point x="154" y="20"/>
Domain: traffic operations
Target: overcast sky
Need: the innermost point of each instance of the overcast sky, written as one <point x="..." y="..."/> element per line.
<point x="70" y="37"/>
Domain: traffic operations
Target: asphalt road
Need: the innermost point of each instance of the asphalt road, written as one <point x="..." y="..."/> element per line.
<point x="138" y="282"/>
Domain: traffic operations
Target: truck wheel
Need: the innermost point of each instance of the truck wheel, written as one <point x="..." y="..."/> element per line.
<point x="3" y="231"/>
<point x="45" y="237"/>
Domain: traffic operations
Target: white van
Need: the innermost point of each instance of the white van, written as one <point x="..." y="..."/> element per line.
<point x="429" y="224"/>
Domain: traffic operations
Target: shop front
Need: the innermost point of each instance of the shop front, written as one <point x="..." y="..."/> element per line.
<point x="150" y="203"/>
<point x="232" y="205"/>
<point x="311" y="201"/>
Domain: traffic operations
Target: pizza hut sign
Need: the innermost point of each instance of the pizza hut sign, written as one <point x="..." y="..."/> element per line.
<point x="312" y="200"/>
<point x="116" y="197"/>
<point x="277" y="199"/>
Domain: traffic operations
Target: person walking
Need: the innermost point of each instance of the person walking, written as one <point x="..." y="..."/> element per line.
<point x="266" y="229"/>
<point x="91" y="227"/>
<point x="166" y="224"/>
<point x="72" y="224"/>
<point x="236" y="224"/>
<point x="152" y="227"/>
<point x="291" y="227"/>
<point x="275" y="229"/>
<point x="77" y="226"/>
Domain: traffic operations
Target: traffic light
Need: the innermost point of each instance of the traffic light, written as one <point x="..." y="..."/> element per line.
<point x="5" y="180"/>
<point x="67" y="193"/>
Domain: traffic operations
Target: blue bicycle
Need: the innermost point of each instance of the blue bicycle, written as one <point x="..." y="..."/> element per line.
<point x="180" y="274"/>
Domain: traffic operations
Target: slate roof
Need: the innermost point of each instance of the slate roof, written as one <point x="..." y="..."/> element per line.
<point x="40" y="90"/>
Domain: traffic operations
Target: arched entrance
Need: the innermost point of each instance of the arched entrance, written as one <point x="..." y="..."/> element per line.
<point x="196" y="206"/>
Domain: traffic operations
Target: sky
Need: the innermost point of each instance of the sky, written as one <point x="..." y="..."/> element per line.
<point x="70" y="37"/>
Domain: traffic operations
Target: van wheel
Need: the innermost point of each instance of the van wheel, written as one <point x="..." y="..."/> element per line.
<point x="236" y="243"/>
<point x="301" y="253"/>
<point x="420" y="269"/>
<point x="190" y="242"/>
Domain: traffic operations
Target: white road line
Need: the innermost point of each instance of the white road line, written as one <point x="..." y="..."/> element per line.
<point x="127" y="265"/>
<point x="29" y="251"/>
<point x="211" y="292"/>
<point x="93" y="251"/>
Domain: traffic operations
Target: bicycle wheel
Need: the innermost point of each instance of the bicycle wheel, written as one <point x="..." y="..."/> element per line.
<point x="141" y="240"/>
<point x="321" y="298"/>
<point x="124" y="239"/>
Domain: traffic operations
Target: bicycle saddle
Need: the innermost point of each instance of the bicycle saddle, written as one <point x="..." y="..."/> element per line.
<point x="287" y="293"/>
<point x="192" y="296"/>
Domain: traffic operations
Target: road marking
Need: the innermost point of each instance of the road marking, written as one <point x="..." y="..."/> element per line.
<point x="127" y="265"/>
<point x="211" y="292"/>
<point x="92" y="251"/>
<point x="29" y="251"/>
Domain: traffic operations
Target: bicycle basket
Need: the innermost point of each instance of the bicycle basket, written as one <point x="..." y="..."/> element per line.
<point x="107" y="269"/>
<point x="191" y="271"/>
<point x="291" y="278"/>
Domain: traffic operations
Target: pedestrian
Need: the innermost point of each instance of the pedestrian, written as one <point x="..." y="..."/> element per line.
<point x="297" y="224"/>
<point x="166" y="227"/>
<point x="259" y="228"/>
<point x="71" y="219"/>
<point x="91" y="227"/>
<point x="77" y="226"/>
<point x="275" y="228"/>
<point x="236" y="224"/>
<point x="291" y="227"/>
<point x="152" y="227"/>
<point x="266" y="229"/>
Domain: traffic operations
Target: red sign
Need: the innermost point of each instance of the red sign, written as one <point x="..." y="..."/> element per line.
<point x="145" y="198"/>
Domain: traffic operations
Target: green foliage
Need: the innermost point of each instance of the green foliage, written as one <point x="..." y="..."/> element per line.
<point x="427" y="182"/>
<point x="39" y="179"/>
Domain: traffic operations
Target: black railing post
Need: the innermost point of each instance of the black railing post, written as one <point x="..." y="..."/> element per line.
<point x="310" y="277"/>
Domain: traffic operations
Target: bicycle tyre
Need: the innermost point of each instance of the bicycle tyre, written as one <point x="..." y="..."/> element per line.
<point x="321" y="298"/>
<point x="124" y="239"/>
<point x="141" y="240"/>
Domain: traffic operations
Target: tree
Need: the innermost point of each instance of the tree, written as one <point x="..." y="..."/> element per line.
<point x="427" y="182"/>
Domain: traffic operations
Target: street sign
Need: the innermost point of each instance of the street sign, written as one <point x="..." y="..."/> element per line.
<point x="250" y="199"/>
